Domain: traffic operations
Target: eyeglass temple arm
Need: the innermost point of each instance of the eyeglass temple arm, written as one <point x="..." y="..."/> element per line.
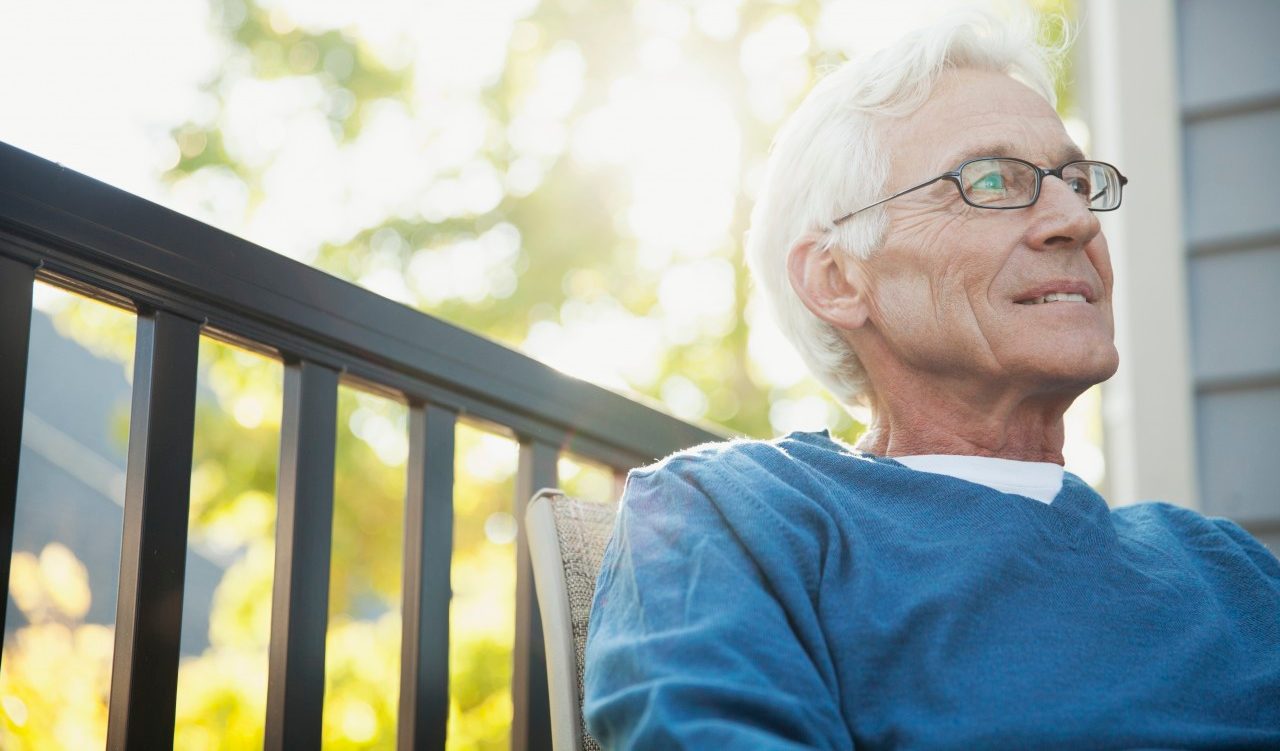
<point x="1123" y="182"/>
<point x="953" y="176"/>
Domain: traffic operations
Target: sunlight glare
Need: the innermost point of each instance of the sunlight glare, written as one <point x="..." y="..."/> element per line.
<point x="500" y="528"/>
<point x="249" y="410"/>
<point x="49" y="299"/>
<point x="215" y="193"/>
<point x="492" y="458"/>
<point x="686" y="400"/>
<point x="74" y="98"/>
<point x="470" y="269"/>
<point x="806" y="413"/>
<point x="1082" y="449"/>
<point x="698" y="300"/>
<point x="67" y="580"/>
<point x="15" y="709"/>
<point x="560" y="79"/>
<point x="858" y="26"/>
<point x="718" y="19"/>
<point x="677" y="139"/>
<point x="599" y="341"/>
<point x="773" y="360"/>
<point x="260" y="114"/>
<point x="773" y="59"/>
<point x="661" y="18"/>
<point x="461" y="46"/>
<point x="359" y="723"/>
<point x="383" y="430"/>
<point x="236" y="525"/>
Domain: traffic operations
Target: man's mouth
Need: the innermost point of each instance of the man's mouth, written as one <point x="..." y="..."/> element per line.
<point x="1054" y="297"/>
<point x="1061" y="290"/>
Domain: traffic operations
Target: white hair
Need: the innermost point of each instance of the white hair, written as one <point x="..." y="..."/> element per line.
<point x="827" y="160"/>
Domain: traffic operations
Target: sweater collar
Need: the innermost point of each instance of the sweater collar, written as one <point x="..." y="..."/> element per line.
<point x="1077" y="516"/>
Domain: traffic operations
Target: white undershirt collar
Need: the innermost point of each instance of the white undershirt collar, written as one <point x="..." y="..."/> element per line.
<point x="1038" y="480"/>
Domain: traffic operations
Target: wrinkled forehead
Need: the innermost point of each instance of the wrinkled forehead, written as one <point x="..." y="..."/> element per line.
<point x="973" y="113"/>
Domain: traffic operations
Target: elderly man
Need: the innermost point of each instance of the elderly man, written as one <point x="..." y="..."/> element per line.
<point x="929" y="240"/>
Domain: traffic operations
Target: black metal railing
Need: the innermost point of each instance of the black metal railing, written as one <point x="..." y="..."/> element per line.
<point x="185" y="279"/>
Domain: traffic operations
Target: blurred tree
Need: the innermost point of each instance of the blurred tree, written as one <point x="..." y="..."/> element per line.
<point x="56" y="671"/>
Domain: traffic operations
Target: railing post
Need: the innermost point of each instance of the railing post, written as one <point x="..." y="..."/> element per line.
<point x="304" y="535"/>
<point x="531" y="723"/>
<point x="428" y="552"/>
<point x="144" y="673"/>
<point x="16" y="280"/>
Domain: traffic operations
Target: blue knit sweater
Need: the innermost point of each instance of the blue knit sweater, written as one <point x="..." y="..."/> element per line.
<point x="797" y="594"/>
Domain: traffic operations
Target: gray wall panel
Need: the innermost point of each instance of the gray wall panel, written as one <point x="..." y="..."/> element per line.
<point x="1240" y="448"/>
<point x="1228" y="50"/>
<point x="1231" y="189"/>
<point x="1235" y="314"/>
<point x="1229" y="81"/>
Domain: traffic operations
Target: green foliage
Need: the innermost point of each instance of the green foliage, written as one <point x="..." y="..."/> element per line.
<point x="56" y="670"/>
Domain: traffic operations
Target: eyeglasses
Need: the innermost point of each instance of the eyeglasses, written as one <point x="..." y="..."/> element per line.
<point x="1008" y="183"/>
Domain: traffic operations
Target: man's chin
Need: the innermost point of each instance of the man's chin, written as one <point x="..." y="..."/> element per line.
<point x="1072" y="370"/>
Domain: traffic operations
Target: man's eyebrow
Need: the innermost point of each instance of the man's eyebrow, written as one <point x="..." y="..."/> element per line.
<point x="994" y="148"/>
<point x="1068" y="153"/>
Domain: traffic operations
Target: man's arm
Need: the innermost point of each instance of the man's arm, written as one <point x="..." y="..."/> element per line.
<point x="690" y="645"/>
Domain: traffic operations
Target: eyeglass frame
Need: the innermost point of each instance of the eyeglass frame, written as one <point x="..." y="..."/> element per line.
<point x="1040" y="172"/>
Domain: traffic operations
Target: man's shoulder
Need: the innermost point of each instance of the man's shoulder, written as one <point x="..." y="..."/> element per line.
<point x="753" y="460"/>
<point x="801" y="478"/>
<point x="1170" y="518"/>
<point x="777" y="500"/>
<point x="1168" y="514"/>
<point x="708" y="454"/>
<point x="1195" y="529"/>
<point x="710" y="468"/>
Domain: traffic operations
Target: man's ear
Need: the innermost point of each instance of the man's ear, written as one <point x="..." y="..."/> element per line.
<point x="832" y="291"/>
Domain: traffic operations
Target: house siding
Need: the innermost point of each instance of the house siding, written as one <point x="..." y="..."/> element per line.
<point x="1229" y="94"/>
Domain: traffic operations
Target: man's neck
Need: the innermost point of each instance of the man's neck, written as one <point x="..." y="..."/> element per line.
<point x="914" y="421"/>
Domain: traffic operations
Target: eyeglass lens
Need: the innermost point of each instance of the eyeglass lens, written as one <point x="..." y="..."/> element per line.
<point x="1009" y="183"/>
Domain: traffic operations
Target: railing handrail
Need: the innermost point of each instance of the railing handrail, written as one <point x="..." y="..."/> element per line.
<point x="109" y="239"/>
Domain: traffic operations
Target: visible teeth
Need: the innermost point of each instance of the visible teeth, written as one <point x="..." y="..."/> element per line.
<point x="1055" y="297"/>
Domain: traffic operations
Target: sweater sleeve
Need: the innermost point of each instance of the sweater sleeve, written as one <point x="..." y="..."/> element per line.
<point x="1263" y="558"/>
<point x="688" y="647"/>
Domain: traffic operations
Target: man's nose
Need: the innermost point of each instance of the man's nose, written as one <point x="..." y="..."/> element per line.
<point x="1062" y="218"/>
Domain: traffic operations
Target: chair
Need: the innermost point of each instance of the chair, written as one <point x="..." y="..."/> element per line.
<point x="567" y="538"/>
